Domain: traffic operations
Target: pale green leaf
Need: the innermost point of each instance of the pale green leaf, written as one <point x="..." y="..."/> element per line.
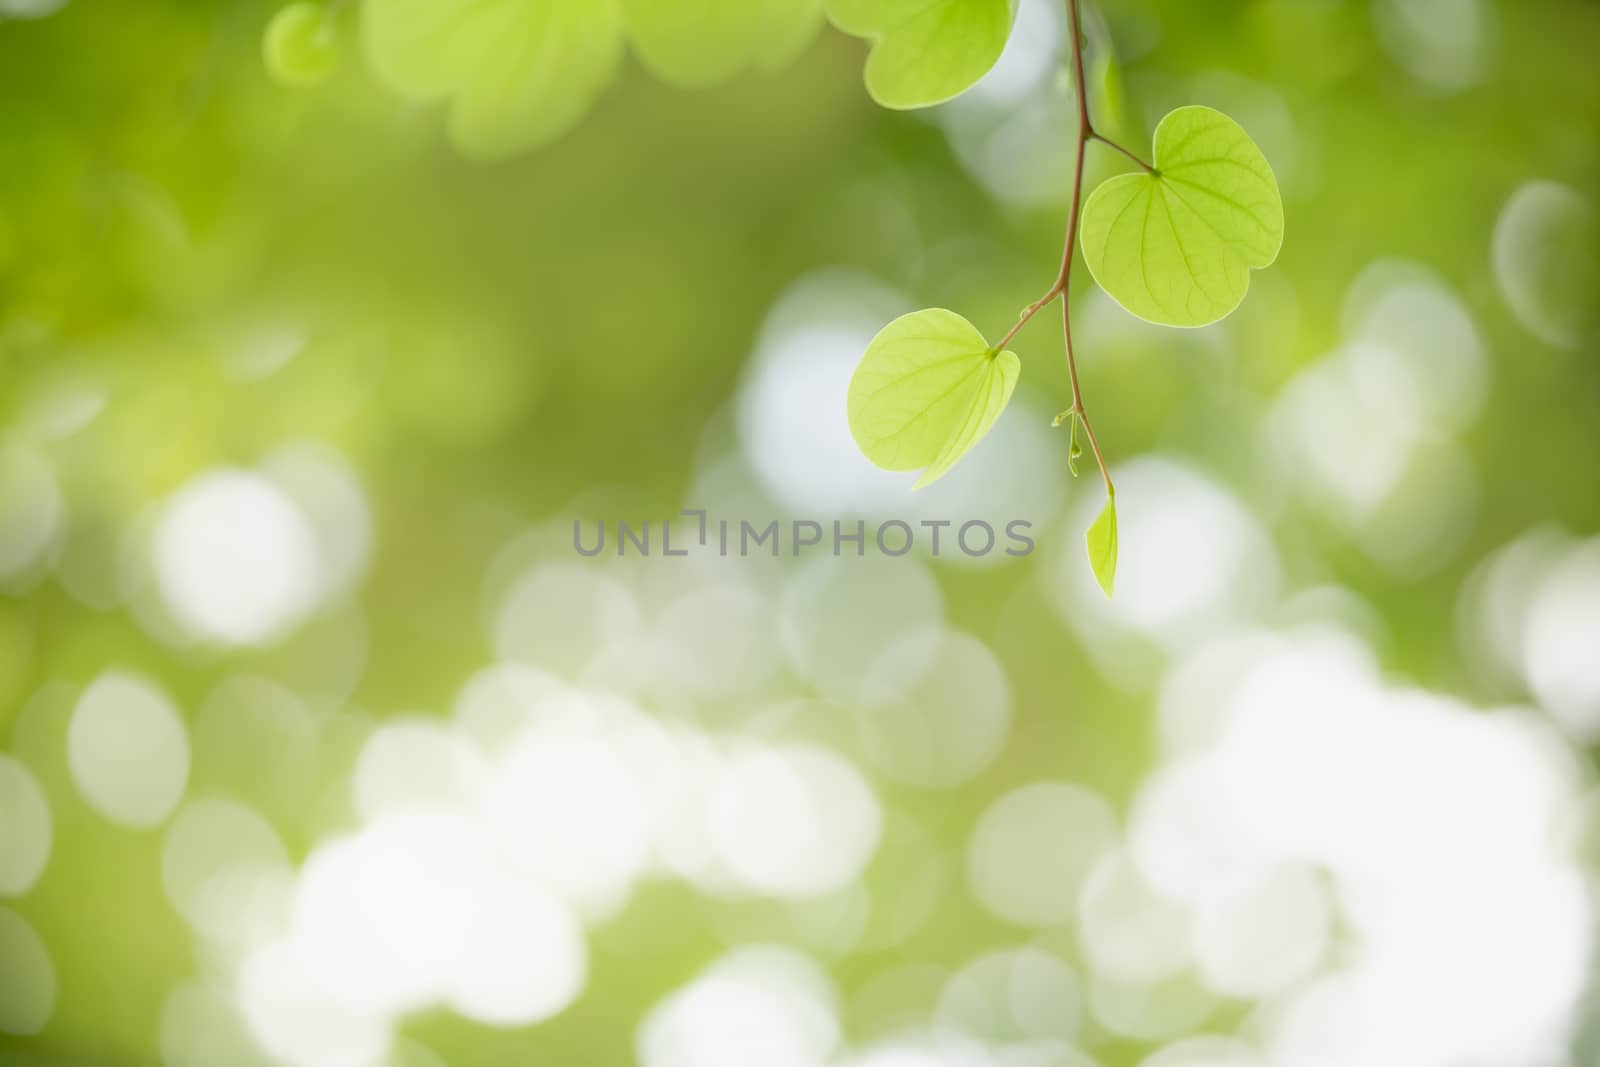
<point x="926" y="51"/>
<point x="299" y="46"/>
<point x="927" y="391"/>
<point x="1177" y="247"/>
<point x="516" y="75"/>
<point x="1102" y="543"/>
<point x="702" y="42"/>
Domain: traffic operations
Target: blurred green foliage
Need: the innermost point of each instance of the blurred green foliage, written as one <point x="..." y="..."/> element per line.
<point x="490" y="341"/>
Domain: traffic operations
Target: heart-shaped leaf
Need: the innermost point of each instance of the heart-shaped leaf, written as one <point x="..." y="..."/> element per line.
<point x="517" y="75"/>
<point x="926" y="51"/>
<point x="927" y="390"/>
<point x="1102" y="543"/>
<point x="702" y="42"/>
<point x="1177" y="246"/>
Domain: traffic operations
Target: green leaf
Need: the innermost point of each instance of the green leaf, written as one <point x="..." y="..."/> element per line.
<point x="1102" y="543"/>
<point x="1176" y="247"/>
<point x="517" y="75"/>
<point x="927" y="390"/>
<point x="702" y="42"/>
<point x="299" y="47"/>
<point x="926" y="51"/>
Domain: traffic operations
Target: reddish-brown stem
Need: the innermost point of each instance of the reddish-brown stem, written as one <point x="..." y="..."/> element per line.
<point x="1031" y="310"/>
<point x="1058" y="288"/>
<point x="1064" y="279"/>
<point x="1096" y="135"/>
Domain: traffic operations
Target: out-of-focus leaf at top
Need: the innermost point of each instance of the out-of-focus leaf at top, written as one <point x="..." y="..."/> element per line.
<point x="517" y="75"/>
<point x="926" y="51"/>
<point x="927" y="391"/>
<point x="702" y="42"/>
<point x="1177" y="246"/>
<point x="299" y="46"/>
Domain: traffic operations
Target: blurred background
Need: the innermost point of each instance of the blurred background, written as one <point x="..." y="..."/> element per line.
<point x="320" y="746"/>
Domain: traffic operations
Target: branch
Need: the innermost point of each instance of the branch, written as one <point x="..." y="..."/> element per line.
<point x="1086" y="133"/>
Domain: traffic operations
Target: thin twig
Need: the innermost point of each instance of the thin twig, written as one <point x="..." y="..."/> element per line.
<point x="1068" y="256"/>
<point x="1031" y="310"/>
<point x="1096" y="135"/>
<point x="1086" y="133"/>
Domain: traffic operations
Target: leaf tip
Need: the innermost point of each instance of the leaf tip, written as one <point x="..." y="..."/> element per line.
<point x="1101" y="541"/>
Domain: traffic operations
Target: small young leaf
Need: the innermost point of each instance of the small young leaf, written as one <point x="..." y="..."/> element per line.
<point x="1176" y="247"/>
<point x="926" y="51"/>
<point x="1102" y="542"/>
<point x="927" y="390"/>
<point x="299" y="47"/>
